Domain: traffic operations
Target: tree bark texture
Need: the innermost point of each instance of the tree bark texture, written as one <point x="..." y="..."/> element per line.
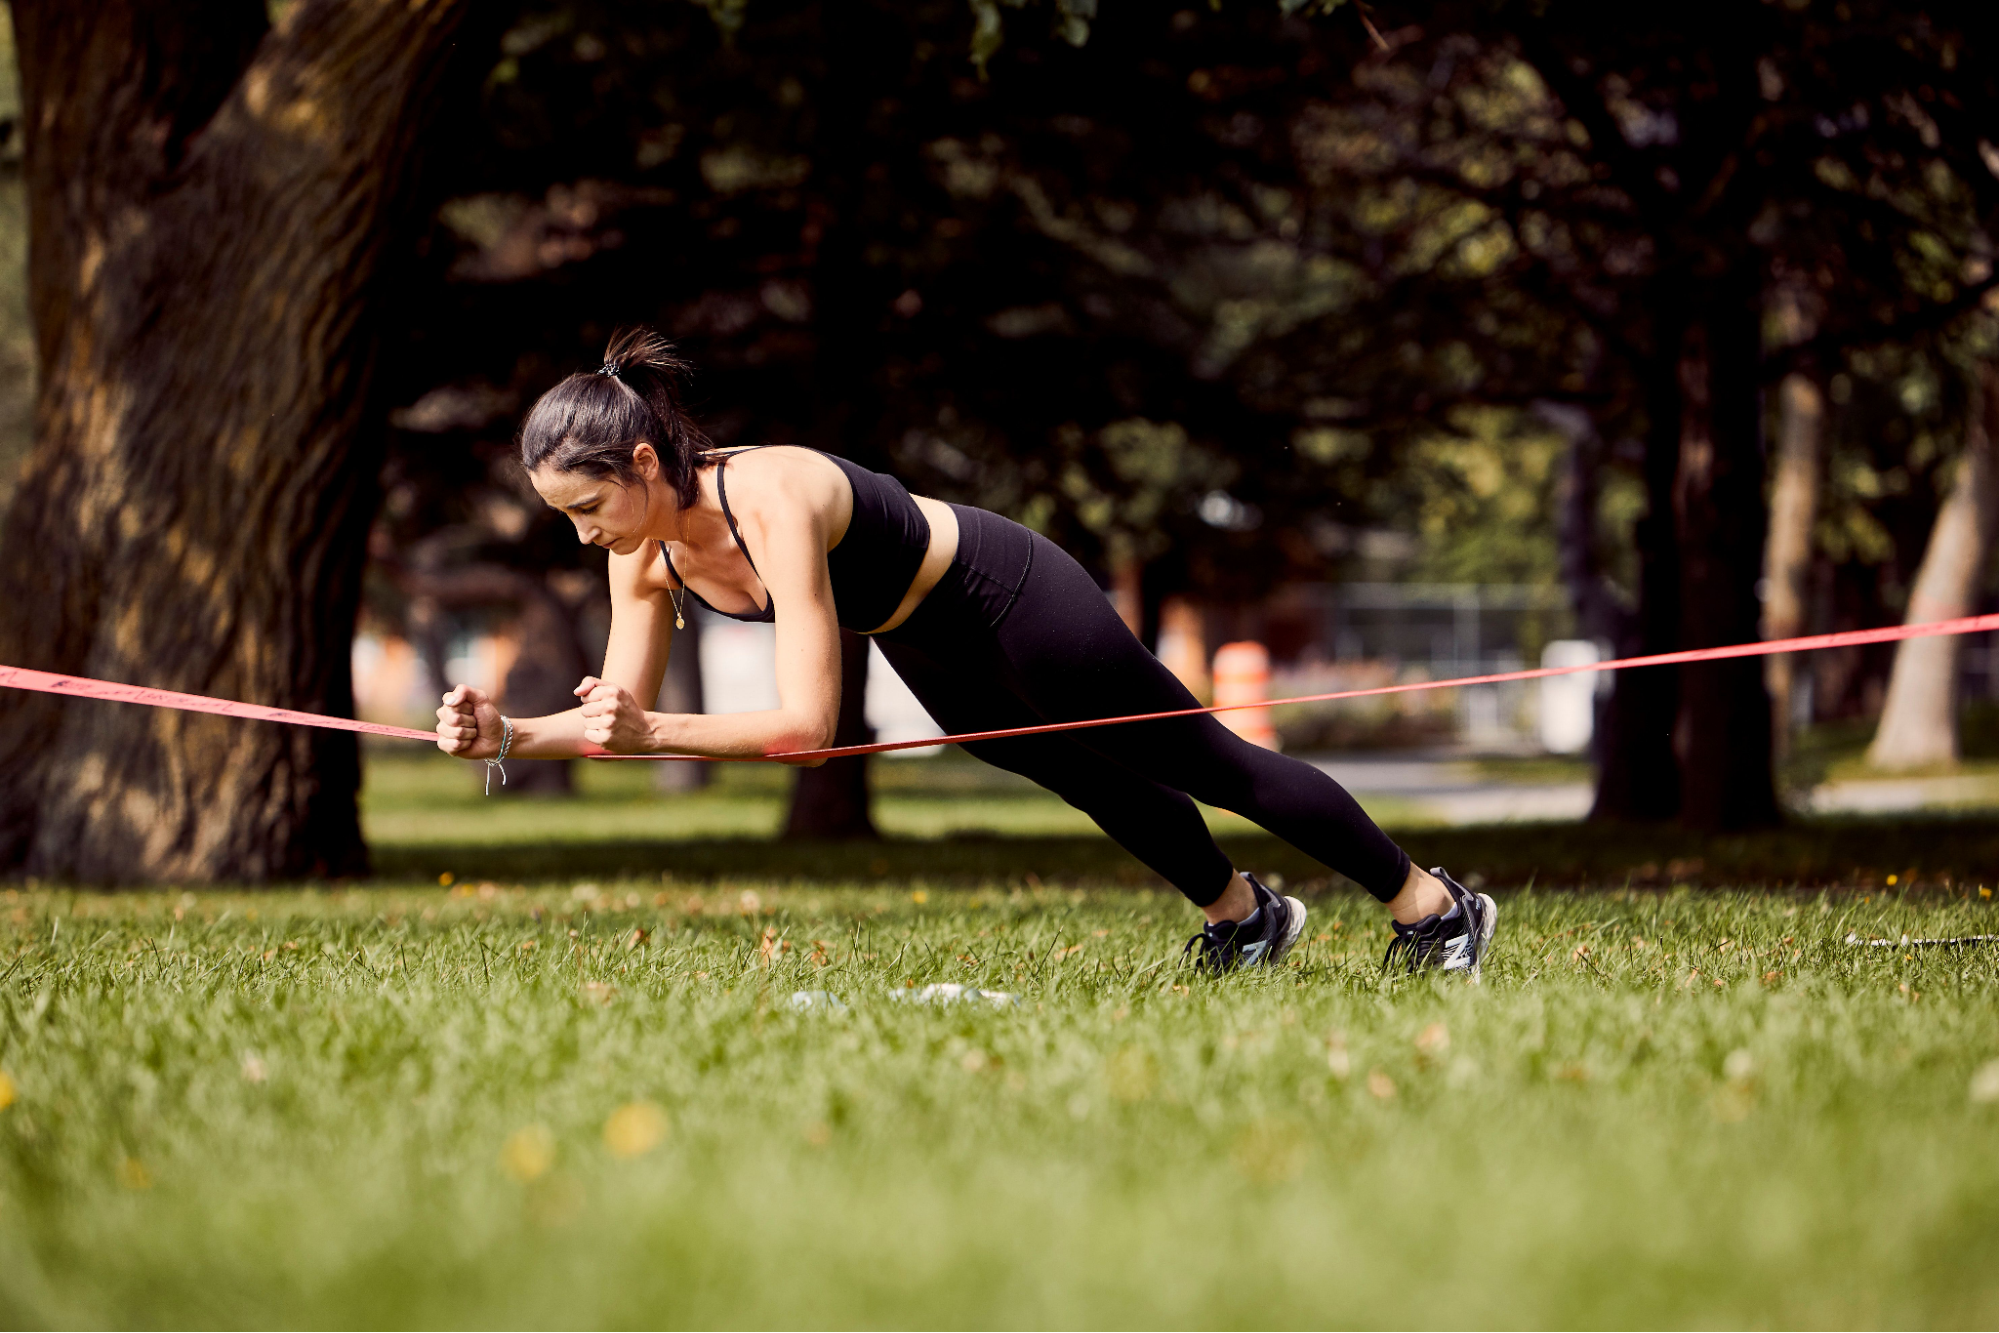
<point x="1787" y="560"/>
<point x="211" y="203"/>
<point x="831" y="801"/>
<point x="1723" y="736"/>
<point x="1918" y="725"/>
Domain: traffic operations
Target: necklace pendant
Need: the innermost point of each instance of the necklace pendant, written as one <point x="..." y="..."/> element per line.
<point x="678" y="623"/>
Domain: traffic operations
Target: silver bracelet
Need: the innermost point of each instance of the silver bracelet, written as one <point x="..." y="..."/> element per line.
<point x="499" y="762"/>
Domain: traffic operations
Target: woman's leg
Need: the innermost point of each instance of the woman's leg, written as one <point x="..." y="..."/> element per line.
<point x="1069" y="656"/>
<point x="1159" y="825"/>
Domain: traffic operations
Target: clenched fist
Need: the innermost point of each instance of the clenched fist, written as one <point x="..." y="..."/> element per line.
<point x="468" y="725"/>
<point x="612" y="718"/>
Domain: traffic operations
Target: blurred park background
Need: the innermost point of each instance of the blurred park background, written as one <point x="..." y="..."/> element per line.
<point x="1346" y="345"/>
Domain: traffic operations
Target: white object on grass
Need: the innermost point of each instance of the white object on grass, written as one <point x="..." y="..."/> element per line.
<point x="950" y="992"/>
<point x="1906" y="943"/>
<point x="817" y="999"/>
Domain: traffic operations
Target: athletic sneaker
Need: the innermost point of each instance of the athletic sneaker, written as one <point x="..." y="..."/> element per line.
<point x="1453" y="942"/>
<point x="1263" y="937"/>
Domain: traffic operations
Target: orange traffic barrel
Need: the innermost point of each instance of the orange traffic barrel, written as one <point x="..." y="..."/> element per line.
<point x="1242" y="676"/>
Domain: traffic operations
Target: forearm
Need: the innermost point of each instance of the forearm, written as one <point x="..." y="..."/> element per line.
<point x="557" y="736"/>
<point x="736" y="735"/>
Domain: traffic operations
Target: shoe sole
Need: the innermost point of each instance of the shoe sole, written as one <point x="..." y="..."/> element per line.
<point x="1295" y="927"/>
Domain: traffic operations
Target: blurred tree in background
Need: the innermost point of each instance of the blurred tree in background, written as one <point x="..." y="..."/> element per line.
<point x="1214" y="297"/>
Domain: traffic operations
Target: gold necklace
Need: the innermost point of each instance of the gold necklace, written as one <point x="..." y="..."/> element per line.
<point x="679" y="595"/>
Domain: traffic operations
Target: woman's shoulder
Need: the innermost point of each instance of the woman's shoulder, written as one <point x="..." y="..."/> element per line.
<point x="780" y="474"/>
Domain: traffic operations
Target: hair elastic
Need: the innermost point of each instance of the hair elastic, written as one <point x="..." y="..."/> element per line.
<point x="610" y="368"/>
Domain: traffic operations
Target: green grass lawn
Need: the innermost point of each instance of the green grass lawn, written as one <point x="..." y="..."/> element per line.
<point x="591" y="1105"/>
<point x="954" y="820"/>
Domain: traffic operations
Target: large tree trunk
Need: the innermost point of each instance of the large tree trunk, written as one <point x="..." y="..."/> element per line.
<point x="1919" y="720"/>
<point x="831" y="801"/>
<point x="1724" y="727"/>
<point x="1638" y="774"/>
<point x="1787" y="563"/>
<point x="211" y="204"/>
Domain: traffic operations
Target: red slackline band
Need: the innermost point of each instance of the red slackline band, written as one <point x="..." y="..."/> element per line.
<point x="82" y="687"/>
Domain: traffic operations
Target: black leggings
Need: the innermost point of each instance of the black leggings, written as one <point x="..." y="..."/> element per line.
<point x="1018" y="634"/>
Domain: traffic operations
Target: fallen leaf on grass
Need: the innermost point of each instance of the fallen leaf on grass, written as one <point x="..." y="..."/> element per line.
<point x="1984" y="1083"/>
<point x="634" y="1129"/>
<point x="1380" y="1085"/>
<point x="253" y="1068"/>
<point x="1338" y="1062"/>
<point x="528" y="1153"/>
<point x="7" y="1090"/>
<point x="1434" y="1039"/>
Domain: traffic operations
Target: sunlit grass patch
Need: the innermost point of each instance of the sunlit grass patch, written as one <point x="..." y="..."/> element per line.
<point x="597" y="1103"/>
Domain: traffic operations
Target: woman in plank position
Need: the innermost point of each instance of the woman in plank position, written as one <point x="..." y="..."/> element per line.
<point x="991" y="625"/>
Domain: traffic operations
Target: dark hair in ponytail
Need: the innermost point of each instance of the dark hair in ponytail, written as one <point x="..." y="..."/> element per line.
<point x="590" y="422"/>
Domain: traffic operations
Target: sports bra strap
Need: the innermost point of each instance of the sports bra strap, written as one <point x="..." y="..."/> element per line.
<point x="722" y="493"/>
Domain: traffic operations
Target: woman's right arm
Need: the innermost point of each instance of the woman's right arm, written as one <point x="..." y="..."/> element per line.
<point x="468" y="723"/>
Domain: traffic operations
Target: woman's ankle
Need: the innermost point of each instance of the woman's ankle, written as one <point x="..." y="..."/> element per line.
<point x="1423" y="894"/>
<point x="1238" y="900"/>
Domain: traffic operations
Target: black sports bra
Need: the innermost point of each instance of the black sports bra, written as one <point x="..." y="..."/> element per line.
<point x="872" y="567"/>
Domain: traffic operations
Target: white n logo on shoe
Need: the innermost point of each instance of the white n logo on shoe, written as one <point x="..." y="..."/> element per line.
<point x="1253" y="953"/>
<point x="1457" y="952"/>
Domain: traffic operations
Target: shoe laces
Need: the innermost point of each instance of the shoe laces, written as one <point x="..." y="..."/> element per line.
<point x="1410" y="943"/>
<point x="1213" y="944"/>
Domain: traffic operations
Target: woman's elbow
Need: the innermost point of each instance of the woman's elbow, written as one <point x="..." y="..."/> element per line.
<point x="803" y="740"/>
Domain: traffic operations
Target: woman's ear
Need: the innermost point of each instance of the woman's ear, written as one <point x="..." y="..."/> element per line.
<point x="646" y="459"/>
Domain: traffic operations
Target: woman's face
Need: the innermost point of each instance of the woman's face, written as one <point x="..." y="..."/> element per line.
<point x="607" y="512"/>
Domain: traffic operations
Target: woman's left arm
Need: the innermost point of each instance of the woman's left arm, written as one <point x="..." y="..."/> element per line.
<point x="790" y="538"/>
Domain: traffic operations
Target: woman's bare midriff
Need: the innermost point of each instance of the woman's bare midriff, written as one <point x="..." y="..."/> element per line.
<point x="943" y="550"/>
